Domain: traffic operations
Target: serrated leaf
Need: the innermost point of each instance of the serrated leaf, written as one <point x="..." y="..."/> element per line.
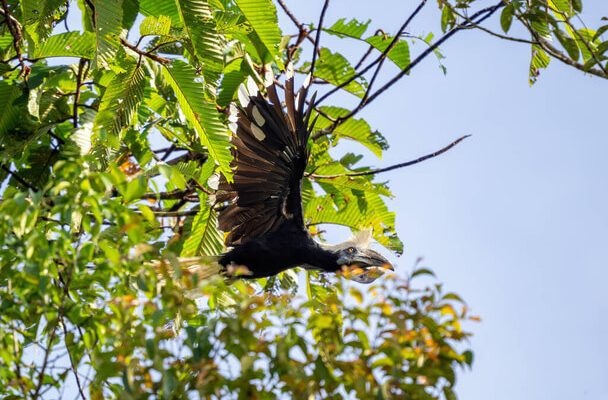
<point x="399" y="54"/>
<point x="205" y="237"/>
<point x="262" y="15"/>
<point x="151" y="25"/>
<point x="353" y="28"/>
<point x="569" y="44"/>
<point x="540" y="59"/>
<point x="9" y="112"/>
<point x="335" y="69"/>
<point x="200" y="27"/>
<point x="82" y="138"/>
<point x="354" y="129"/>
<point x="201" y="113"/>
<point x="157" y="8"/>
<point x="108" y="29"/>
<point x="120" y="100"/>
<point x="233" y="77"/>
<point x="68" y="44"/>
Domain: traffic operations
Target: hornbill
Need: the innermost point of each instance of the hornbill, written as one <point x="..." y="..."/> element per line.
<point x="262" y="211"/>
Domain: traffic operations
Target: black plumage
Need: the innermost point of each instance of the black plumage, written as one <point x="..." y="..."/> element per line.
<point x="263" y="213"/>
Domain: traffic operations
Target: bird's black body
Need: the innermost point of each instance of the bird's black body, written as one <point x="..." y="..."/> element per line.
<point x="263" y="205"/>
<point x="287" y="247"/>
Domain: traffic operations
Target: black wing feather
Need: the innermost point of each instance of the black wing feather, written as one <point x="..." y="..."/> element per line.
<point x="270" y="156"/>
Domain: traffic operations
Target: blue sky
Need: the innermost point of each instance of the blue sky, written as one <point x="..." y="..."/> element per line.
<point x="514" y="219"/>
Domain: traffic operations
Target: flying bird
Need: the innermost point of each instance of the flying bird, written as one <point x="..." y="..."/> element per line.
<point x="262" y="213"/>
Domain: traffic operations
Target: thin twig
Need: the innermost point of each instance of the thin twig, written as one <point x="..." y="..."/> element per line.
<point x="396" y="166"/>
<point x="162" y="213"/>
<point x="172" y="195"/>
<point x="19" y="179"/>
<point x="79" y="77"/>
<point x="14" y="28"/>
<point x="477" y="18"/>
<point x="72" y="363"/>
<point x="488" y="31"/>
<point x="297" y="23"/>
<point x="318" y="38"/>
<point x="45" y="361"/>
<point x="384" y="54"/>
<point x="141" y="52"/>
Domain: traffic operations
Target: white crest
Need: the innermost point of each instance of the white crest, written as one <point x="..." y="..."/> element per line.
<point x="360" y="240"/>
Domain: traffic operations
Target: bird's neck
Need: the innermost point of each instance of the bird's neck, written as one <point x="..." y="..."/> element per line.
<point x="321" y="258"/>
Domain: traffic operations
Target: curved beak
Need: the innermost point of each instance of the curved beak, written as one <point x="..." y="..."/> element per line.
<point x="368" y="266"/>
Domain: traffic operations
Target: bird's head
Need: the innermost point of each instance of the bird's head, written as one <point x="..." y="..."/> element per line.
<point x="358" y="262"/>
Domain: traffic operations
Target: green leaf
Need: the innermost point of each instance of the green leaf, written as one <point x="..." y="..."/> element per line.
<point x="205" y="239"/>
<point x="108" y="29"/>
<point x="9" y="112"/>
<point x="201" y="29"/>
<point x="151" y="25"/>
<point x="569" y="44"/>
<point x="233" y="77"/>
<point x="540" y="59"/>
<point x="173" y="175"/>
<point x="201" y="113"/>
<point x="353" y="129"/>
<point x="120" y="100"/>
<point x="506" y="18"/>
<point x="564" y="6"/>
<point x="262" y="15"/>
<point x="399" y="54"/>
<point x="448" y="19"/>
<point x="68" y="44"/>
<point x="335" y="69"/>
<point x="157" y="8"/>
<point x="449" y="393"/>
<point x="423" y="271"/>
<point x="353" y="28"/>
<point x="82" y="138"/>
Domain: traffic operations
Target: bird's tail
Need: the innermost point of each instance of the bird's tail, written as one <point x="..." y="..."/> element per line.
<point x="203" y="267"/>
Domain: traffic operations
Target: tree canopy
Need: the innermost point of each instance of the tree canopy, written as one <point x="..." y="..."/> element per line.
<point x="112" y="135"/>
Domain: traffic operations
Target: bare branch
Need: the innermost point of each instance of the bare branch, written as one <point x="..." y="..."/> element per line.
<point x="19" y="179"/>
<point x="162" y="213"/>
<point x="72" y="363"/>
<point x="396" y="166"/>
<point x="79" y="78"/>
<point x="318" y="38"/>
<point x="384" y="54"/>
<point x="476" y="18"/>
<point x="141" y="52"/>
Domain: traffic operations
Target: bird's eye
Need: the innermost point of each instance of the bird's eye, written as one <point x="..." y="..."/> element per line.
<point x="351" y="249"/>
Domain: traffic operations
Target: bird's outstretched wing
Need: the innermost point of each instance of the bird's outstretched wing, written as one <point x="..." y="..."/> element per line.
<point x="270" y="156"/>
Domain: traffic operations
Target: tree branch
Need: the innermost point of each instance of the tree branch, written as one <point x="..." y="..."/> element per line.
<point x="141" y="52"/>
<point x="79" y="78"/>
<point x="392" y="167"/>
<point x="476" y="18"/>
<point x="297" y="23"/>
<point x="318" y="38"/>
<point x="19" y="179"/>
<point x="384" y="54"/>
<point x="72" y="363"/>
